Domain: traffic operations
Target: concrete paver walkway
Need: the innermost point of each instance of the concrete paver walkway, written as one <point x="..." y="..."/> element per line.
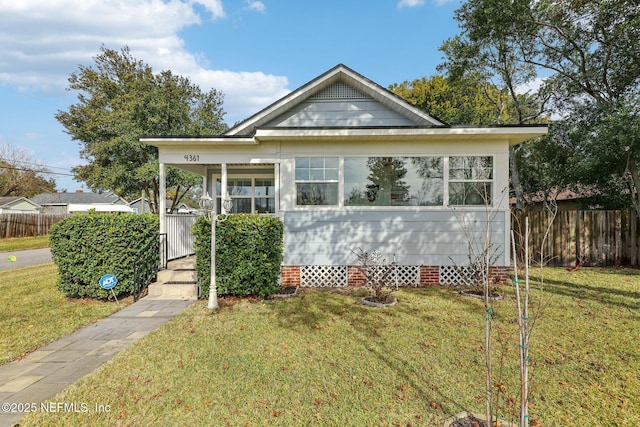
<point x="48" y="370"/>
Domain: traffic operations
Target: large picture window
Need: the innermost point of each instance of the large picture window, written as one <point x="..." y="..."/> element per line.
<point x="470" y="180"/>
<point x="393" y="181"/>
<point x="317" y="181"/>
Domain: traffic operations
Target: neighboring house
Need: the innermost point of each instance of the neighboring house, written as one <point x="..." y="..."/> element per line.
<point x="564" y="200"/>
<point x="347" y="164"/>
<point x="182" y="208"/>
<point x="18" y="205"/>
<point x="63" y="203"/>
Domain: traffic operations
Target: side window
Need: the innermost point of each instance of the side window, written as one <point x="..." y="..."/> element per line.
<point x="316" y="181"/>
<point x="470" y="180"/>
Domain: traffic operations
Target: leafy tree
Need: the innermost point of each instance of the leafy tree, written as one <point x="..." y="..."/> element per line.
<point x="457" y="101"/>
<point x="591" y="52"/>
<point x="119" y="99"/>
<point x="467" y="95"/>
<point x="22" y="176"/>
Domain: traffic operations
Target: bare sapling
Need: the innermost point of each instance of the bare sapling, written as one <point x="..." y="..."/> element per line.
<point x="377" y="273"/>
<point x="484" y="254"/>
<point x="525" y="321"/>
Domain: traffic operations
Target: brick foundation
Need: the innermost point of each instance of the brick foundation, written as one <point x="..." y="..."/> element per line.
<point x="429" y="275"/>
<point x="290" y="275"/>
<point x="355" y="275"/>
<point x="499" y="275"/>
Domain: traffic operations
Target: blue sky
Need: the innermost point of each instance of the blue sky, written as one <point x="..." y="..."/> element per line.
<point x="255" y="52"/>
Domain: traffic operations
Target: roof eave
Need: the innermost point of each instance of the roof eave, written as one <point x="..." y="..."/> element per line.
<point x="169" y="141"/>
<point x="514" y="135"/>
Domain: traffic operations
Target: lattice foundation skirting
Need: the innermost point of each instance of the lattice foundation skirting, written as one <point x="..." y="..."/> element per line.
<point x="404" y="275"/>
<point x="323" y="275"/>
<point x="457" y="275"/>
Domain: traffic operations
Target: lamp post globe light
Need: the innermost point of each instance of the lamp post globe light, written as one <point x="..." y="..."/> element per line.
<point x="208" y="207"/>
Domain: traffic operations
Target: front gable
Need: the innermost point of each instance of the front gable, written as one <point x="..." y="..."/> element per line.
<point x="338" y="98"/>
<point x="340" y="105"/>
<point x="18" y="204"/>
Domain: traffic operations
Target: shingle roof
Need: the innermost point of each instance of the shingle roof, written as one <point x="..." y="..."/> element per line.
<point x="7" y="200"/>
<point x="66" y="198"/>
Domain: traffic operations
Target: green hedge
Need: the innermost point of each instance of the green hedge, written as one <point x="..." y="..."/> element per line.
<point x="248" y="255"/>
<point x="86" y="247"/>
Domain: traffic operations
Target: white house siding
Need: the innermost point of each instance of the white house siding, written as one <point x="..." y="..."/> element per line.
<point x="325" y="235"/>
<point x="20" y="205"/>
<point x="436" y="238"/>
<point x="341" y="113"/>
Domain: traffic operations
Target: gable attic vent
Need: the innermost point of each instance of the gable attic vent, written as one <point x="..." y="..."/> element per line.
<point x="339" y="90"/>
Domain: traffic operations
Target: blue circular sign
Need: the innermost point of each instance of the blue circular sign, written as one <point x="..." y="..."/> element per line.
<point x="108" y="281"/>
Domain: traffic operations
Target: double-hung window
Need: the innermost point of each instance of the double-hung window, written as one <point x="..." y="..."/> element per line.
<point x="317" y="181"/>
<point x="470" y="180"/>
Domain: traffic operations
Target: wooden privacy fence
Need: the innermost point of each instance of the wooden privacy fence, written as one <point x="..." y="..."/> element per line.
<point x="26" y="224"/>
<point x="595" y="238"/>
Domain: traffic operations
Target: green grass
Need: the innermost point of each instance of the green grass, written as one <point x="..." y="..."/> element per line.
<point x="323" y="359"/>
<point x="21" y="243"/>
<point x="34" y="312"/>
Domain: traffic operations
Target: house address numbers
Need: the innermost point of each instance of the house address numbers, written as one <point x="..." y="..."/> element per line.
<point x="192" y="157"/>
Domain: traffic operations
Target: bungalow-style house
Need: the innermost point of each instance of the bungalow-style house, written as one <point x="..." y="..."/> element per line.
<point x="65" y="203"/>
<point x="347" y="164"/>
<point x="18" y="205"/>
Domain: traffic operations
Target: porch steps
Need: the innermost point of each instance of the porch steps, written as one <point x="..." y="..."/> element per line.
<point x="177" y="281"/>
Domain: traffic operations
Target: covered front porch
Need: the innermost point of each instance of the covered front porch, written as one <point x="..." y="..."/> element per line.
<point x="238" y="168"/>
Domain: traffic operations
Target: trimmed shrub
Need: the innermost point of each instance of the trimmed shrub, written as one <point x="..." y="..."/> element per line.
<point x="248" y="255"/>
<point x="86" y="247"/>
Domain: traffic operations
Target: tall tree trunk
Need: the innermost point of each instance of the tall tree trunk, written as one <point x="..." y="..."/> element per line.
<point x="634" y="185"/>
<point x="515" y="179"/>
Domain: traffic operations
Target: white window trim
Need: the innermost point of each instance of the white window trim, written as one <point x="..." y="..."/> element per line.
<point x="492" y="181"/>
<point x="338" y="181"/>
<point x="446" y="206"/>
<point x="216" y="176"/>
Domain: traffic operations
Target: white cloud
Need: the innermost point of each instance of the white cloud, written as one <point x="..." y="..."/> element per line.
<point x="410" y="3"/>
<point x="255" y="6"/>
<point x="213" y="6"/>
<point x="44" y="41"/>
<point x="531" y="86"/>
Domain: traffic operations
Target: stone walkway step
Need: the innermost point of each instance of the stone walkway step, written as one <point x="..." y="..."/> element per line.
<point x="45" y="372"/>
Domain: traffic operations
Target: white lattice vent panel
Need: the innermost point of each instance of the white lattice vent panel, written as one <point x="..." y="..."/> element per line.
<point x="454" y="275"/>
<point x="339" y="90"/>
<point x="323" y="275"/>
<point x="405" y="275"/>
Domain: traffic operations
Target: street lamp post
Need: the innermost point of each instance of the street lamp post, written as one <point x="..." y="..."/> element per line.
<point x="208" y="206"/>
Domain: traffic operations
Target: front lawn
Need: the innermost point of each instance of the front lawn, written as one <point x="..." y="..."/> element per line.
<point x="21" y="243"/>
<point x="33" y="312"/>
<point x="323" y="359"/>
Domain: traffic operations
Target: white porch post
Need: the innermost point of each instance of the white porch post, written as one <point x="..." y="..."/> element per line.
<point x="213" y="289"/>
<point x="276" y="183"/>
<point x="223" y="187"/>
<point x="162" y="203"/>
